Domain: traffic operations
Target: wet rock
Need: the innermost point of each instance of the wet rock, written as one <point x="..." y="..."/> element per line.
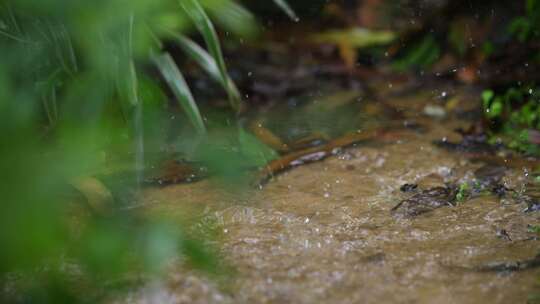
<point x="309" y="158"/>
<point x="513" y="266"/>
<point x="415" y="126"/>
<point x="490" y="174"/>
<point x="408" y="187"/>
<point x="470" y="143"/>
<point x="425" y="201"/>
<point x="376" y="258"/>
<point x="503" y="234"/>
<point x="435" y="111"/>
<point x="430" y="181"/>
<point x="177" y="171"/>
<point x="531" y="197"/>
<point x="489" y="179"/>
<point x="533" y="207"/>
<point x="350" y="167"/>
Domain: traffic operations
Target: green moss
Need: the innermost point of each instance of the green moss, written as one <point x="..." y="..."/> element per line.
<point x="463" y="192"/>
<point x="515" y="117"/>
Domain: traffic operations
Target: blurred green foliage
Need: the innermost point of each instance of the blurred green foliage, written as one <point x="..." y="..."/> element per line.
<point x="420" y="55"/>
<point x="75" y="95"/>
<point x="516" y="112"/>
<point x="527" y="27"/>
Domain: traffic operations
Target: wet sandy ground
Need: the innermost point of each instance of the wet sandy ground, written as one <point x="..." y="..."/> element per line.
<point x="323" y="233"/>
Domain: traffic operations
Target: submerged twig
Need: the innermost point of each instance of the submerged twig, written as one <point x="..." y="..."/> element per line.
<point x="314" y="154"/>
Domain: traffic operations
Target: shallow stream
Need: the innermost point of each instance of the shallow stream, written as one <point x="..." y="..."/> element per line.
<point x="324" y="232"/>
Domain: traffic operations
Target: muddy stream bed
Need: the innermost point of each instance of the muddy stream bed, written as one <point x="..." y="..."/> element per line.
<point x="325" y="232"/>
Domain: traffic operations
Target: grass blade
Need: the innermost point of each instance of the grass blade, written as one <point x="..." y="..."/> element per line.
<point x="287" y="9"/>
<point x="178" y="85"/>
<point x="233" y="17"/>
<point x="203" y="24"/>
<point x="207" y="63"/>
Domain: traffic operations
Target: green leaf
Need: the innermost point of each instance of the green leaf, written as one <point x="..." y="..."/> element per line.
<point x="203" y="24"/>
<point x="287" y="9"/>
<point x="421" y="55"/>
<point x="487" y="96"/>
<point x="462" y="192"/>
<point x="233" y="17"/>
<point x="207" y="63"/>
<point x="534" y="229"/>
<point x="531" y="6"/>
<point x="521" y="28"/>
<point x="496" y="108"/>
<point x="178" y="85"/>
<point x="488" y="48"/>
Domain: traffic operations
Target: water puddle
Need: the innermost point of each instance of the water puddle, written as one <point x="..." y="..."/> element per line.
<point x="325" y="232"/>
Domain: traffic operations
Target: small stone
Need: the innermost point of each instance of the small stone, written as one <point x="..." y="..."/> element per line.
<point x="435" y="111"/>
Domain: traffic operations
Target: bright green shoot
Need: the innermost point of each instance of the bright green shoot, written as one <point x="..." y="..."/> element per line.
<point x="203" y="24"/>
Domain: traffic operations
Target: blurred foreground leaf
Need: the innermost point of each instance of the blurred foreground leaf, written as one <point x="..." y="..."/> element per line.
<point x="203" y="24"/>
<point x="178" y="85"/>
